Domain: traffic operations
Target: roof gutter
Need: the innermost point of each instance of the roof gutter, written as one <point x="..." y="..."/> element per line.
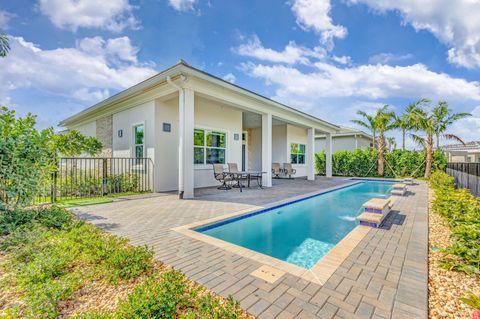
<point x="181" y="129"/>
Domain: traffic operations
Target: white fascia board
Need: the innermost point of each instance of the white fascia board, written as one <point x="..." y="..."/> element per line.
<point x="258" y="103"/>
<point x="127" y="94"/>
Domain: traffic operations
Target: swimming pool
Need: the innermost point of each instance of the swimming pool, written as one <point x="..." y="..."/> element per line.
<point x="303" y="231"/>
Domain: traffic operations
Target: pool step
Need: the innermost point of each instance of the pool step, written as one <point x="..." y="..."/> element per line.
<point x="408" y="181"/>
<point x="375" y="211"/>
<point x="377" y="206"/>
<point x="399" y="189"/>
<point x="371" y="219"/>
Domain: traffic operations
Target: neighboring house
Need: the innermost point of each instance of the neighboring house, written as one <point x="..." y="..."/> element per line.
<point x="346" y="140"/>
<point x="185" y="119"/>
<point x="463" y="153"/>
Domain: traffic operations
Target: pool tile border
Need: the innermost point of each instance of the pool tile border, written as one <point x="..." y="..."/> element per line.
<point x="319" y="273"/>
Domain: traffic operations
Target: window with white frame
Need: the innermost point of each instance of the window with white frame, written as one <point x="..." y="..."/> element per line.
<point x="297" y="153"/>
<point x="138" y="137"/>
<point x="209" y="146"/>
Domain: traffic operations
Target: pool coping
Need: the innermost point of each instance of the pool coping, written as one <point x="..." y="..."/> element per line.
<point x="318" y="273"/>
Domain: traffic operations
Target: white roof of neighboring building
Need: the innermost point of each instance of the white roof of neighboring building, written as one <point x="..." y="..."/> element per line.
<point x="470" y="146"/>
<point x="347" y="131"/>
<point x="177" y="70"/>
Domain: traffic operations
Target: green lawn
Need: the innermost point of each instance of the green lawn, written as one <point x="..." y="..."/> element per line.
<point x="69" y="202"/>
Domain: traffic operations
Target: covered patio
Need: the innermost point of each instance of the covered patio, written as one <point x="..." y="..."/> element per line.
<point x="241" y="127"/>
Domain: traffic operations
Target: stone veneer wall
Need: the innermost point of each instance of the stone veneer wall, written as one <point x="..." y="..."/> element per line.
<point x="105" y="135"/>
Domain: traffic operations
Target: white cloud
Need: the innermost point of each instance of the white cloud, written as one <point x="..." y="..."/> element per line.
<point x="4" y="19"/>
<point x="344" y="59"/>
<point x="468" y="128"/>
<point x="87" y="72"/>
<point x="315" y="15"/>
<point x="112" y="15"/>
<point x="182" y="5"/>
<point x="118" y="50"/>
<point x="366" y="81"/>
<point x="230" y="78"/>
<point x="291" y="54"/>
<point x="455" y="23"/>
<point x="387" y="58"/>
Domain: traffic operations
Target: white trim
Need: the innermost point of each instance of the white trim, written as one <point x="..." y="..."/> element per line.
<point x="247" y="139"/>
<point x="134" y="144"/>
<point x="206" y="166"/>
<point x="304" y="154"/>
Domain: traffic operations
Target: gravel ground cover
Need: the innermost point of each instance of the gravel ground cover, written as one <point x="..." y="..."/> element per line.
<point x="446" y="287"/>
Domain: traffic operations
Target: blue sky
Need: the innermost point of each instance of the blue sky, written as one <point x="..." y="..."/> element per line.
<point x="329" y="58"/>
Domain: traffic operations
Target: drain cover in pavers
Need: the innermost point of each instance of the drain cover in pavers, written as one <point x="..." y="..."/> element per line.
<point x="267" y="273"/>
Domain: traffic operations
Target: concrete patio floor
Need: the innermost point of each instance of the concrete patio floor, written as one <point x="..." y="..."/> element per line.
<point x="385" y="276"/>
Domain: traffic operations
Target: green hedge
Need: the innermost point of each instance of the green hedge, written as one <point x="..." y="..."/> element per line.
<point x="462" y="212"/>
<point x="363" y="163"/>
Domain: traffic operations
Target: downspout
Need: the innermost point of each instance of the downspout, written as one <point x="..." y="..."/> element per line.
<point x="356" y="142"/>
<point x="181" y="120"/>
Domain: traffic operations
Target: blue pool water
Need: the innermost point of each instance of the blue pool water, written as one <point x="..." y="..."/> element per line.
<point x="302" y="232"/>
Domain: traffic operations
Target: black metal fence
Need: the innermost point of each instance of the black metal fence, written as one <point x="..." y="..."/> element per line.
<point x="82" y="177"/>
<point x="467" y="175"/>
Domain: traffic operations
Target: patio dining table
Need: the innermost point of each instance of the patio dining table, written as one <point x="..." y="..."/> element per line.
<point x="249" y="175"/>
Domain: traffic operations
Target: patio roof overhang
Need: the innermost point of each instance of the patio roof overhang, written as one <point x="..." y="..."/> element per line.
<point x="202" y="83"/>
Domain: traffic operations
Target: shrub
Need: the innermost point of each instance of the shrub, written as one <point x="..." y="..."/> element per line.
<point x="27" y="156"/>
<point x="462" y="212"/>
<point x="52" y="217"/>
<point x="51" y="255"/>
<point x="169" y="295"/>
<point x="363" y="163"/>
<point x="88" y="183"/>
<point x="154" y="298"/>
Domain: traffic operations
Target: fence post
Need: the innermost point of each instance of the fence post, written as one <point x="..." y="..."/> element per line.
<point x="53" y="188"/>
<point x="105" y="177"/>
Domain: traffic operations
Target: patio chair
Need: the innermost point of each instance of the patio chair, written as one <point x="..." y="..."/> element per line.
<point x="288" y="170"/>
<point x="222" y="177"/>
<point x="276" y="170"/>
<point x="233" y="168"/>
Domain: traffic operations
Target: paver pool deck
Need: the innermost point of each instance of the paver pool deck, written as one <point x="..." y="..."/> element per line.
<point x="384" y="276"/>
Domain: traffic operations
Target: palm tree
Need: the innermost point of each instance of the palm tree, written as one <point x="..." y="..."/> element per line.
<point x="4" y="45"/>
<point x="368" y="123"/>
<point x="432" y="123"/>
<point x="404" y="122"/>
<point x="444" y="118"/>
<point x="384" y="121"/>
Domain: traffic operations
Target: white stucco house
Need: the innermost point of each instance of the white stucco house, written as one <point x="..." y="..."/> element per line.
<point x="185" y="119"/>
<point x="463" y="153"/>
<point x="347" y="139"/>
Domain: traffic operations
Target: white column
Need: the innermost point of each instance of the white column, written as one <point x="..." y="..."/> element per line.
<point x="310" y="154"/>
<point x="328" y="155"/>
<point x="267" y="149"/>
<point x="185" y="150"/>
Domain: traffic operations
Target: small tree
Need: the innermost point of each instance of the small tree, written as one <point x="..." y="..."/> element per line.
<point x="73" y="143"/>
<point x="384" y="121"/>
<point x="27" y="156"/>
<point x="405" y="121"/>
<point x="444" y="117"/>
<point x="433" y="122"/>
<point x="368" y="123"/>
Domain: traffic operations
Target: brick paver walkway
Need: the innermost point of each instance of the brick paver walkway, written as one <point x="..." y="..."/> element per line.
<point x="385" y="276"/>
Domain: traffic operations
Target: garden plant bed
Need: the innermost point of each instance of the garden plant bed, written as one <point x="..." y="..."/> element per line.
<point x="54" y="266"/>
<point x="446" y="287"/>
